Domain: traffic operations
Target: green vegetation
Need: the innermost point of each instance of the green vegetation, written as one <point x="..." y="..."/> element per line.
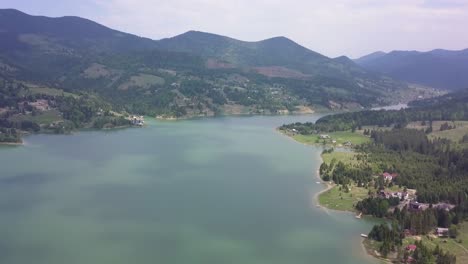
<point x="46" y="117"/>
<point x="345" y="157"/>
<point x="25" y="109"/>
<point x="338" y="138"/>
<point x="194" y="74"/>
<point x="338" y="198"/>
<point x="423" y="155"/>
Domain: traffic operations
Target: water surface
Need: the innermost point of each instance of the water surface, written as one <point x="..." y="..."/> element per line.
<point x="220" y="190"/>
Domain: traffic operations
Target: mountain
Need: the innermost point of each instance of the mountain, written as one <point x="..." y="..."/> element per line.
<point x="19" y="31"/>
<point x="273" y="52"/>
<point x="270" y="52"/>
<point x="439" y="68"/>
<point x="370" y="57"/>
<point x="193" y="74"/>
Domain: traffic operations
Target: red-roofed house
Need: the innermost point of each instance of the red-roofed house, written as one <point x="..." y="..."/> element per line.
<point x="411" y="247"/>
<point x="389" y="177"/>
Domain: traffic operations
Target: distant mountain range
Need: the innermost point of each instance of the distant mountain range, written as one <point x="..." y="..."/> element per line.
<point x="438" y="68"/>
<point x="192" y="74"/>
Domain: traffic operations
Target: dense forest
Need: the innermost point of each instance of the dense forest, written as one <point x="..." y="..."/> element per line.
<point x="453" y="106"/>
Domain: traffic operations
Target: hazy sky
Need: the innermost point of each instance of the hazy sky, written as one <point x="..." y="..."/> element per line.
<point x="331" y="27"/>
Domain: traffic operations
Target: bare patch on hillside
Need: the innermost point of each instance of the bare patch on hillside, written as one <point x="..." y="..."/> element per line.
<point x="96" y="71"/>
<point x="142" y="81"/>
<point x="282" y="72"/>
<point x="216" y="64"/>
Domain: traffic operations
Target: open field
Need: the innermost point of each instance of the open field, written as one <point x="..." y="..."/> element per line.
<point x="340" y="137"/>
<point x="46" y="117"/>
<point x="345" y="157"/>
<point x="49" y="91"/>
<point x="447" y="244"/>
<point x="142" y="80"/>
<point x="337" y="199"/>
<point x="455" y="135"/>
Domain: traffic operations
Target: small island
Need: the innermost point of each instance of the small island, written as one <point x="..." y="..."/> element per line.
<point x="404" y="167"/>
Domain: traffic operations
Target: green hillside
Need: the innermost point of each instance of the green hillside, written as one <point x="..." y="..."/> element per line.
<point x="194" y="74"/>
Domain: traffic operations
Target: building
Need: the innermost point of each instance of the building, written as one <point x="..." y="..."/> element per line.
<point x="442" y="232"/>
<point x="389" y="177"/>
<point x="323" y="136"/>
<point x="444" y="206"/>
<point x="415" y="206"/>
<point x="411" y="247"/>
<point x="137" y="120"/>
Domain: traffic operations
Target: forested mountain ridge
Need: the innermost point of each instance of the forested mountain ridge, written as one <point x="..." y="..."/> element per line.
<point x="194" y="74"/>
<point x="443" y="69"/>
<point x="20" y="31"/>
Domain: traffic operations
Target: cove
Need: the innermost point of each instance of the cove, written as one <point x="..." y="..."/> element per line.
<point x="215" y="190"/>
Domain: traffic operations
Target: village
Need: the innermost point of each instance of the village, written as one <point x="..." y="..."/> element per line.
<point x="408" y="199"/>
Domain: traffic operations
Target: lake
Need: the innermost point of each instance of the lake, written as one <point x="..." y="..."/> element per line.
<point x="211" y="191"/>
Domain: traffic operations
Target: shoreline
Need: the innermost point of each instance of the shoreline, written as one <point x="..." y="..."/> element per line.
<point x="12" y="144"/>
<point x="328" y="186"/>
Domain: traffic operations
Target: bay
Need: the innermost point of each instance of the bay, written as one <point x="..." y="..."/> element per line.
<point x="215" y="190"/>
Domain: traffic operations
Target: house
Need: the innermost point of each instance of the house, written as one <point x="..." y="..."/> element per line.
<point x="294" y="130"/>
<point x="347" y="144"/>
<point x="408" y="232"/>
<point x="444" y="206"/>
<point x="333" y="141"/>
<point x="415" y="206"/>
<point x="389" y="177"/>
<point x="400" y="195"/>
<point x="411" y="247"/>
<point x="441" y="232"/>
<point x="384" y="194"/>
<point x="323" y="136"/>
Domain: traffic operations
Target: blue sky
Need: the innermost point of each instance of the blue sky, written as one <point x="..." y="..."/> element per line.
<point x="334" y="27"/>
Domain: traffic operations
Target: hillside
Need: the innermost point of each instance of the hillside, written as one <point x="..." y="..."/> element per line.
<point x="441" y="69"/>
<point x="193" y="74"/>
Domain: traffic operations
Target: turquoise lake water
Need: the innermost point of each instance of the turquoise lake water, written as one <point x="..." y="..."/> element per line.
<point x="217" y="190"/>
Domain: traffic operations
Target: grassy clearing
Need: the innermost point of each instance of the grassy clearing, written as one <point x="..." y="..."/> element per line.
<point x="143" y="81"/>
<point x="339" y="199"/>
<point x="344" y="201"/>
<point x="455" y="135"/>
<point x="345" y="157"/>
<point x="377" y="128"/>
<point x="340" y="138"/>
<point x="344" y="136"/>
<point x="46" y="117"/>
<point x="446" y="244"/>
<point x="49" y="91"/>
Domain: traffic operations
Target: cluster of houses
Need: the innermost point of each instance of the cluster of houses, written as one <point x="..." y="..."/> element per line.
<point x="325" y="137"/>
<point x="439" y="231"/>
<point x="415" y="206"/>
<point x="389" y="177"/>
<point x="400" y="195"/>
<point x="137" y="120"/>
<point x="408" y="199"/>
<point x="39" y="104"/>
